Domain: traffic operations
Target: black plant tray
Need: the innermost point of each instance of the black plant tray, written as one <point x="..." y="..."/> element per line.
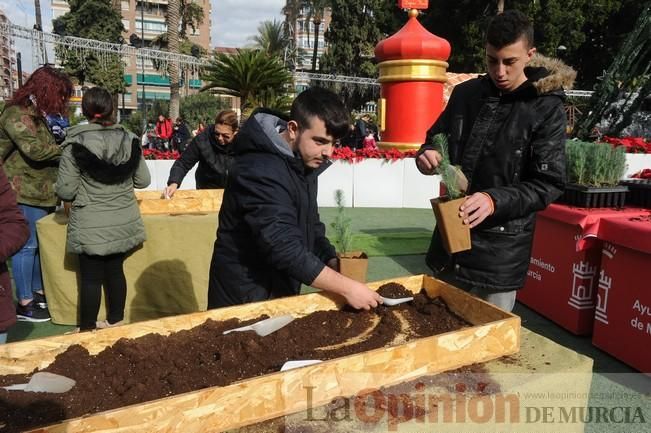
<point x="594" y="197"/>
<point x="639" y="192"/>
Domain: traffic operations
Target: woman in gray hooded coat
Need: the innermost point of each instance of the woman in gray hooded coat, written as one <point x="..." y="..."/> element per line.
<point x="100" y="166"/>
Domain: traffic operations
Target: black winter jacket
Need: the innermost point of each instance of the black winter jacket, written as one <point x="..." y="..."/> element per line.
<point x="270" y="238"/>
<point x="510" y="146"/>
<point x="213" y="158"/>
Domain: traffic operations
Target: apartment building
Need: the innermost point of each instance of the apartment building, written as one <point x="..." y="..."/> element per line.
<point x="8" y="70"/>
<point x="146" y="19"/>
<point x="303" y="33"/>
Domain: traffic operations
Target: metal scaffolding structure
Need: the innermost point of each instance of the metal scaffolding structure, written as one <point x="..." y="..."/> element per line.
<point x="82" y="45"/>
<point x="309" y="76"/>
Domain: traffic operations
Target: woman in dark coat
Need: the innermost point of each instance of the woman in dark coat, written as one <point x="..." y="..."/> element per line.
<point x="211" y="150"/>
<point x="13" y="235"/>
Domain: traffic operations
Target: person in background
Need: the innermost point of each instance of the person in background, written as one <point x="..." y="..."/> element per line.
<point x="270" y="237"/>
<point x="211" y="149"/>
<point x="369" y="141"/>
<point x="200" y="129"/>
<point x="164" y="131"/>
<point x="31" y="157"/>
<point x="506" y="130"/>
<point x="362" y="129"/>
<point x="148" y="137"/>
<point x="58" y="125"/>
<point x="349" y="140"/>
<point x="101" y="165"/>
<point x="181" y="135"/>
<point x="14" y="232"/>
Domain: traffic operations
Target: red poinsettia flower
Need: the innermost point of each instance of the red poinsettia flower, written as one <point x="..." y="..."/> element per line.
<point x="161" y="154"/>
<point x="347" y="154"/>
<point x="631" y="144"/>
<point x="643" y="174"/>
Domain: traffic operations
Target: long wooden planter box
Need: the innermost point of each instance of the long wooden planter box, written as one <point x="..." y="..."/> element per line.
<point x="495" y="333"/>
<point x="183" y="202"/>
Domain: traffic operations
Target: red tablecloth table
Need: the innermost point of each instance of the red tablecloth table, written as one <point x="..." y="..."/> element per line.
<point x="564" y="266"/>
<point x="622" y="324"/>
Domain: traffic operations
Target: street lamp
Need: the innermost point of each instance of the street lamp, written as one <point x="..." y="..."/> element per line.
<point x="135" y="41"/>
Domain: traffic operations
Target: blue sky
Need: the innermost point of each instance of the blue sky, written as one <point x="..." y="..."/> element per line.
<point x="233" y="21"/>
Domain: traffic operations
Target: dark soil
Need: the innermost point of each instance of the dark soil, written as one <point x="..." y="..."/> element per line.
<point x="153" y="366"/>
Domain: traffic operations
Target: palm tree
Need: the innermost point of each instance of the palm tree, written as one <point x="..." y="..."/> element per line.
<point x="173" y="16"/>
<point x="271" y="38"/>
<point x="249" y="74"/>
<point x="315" y="12"/>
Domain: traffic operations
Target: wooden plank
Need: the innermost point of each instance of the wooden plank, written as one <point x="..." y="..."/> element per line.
<point x="183" y="202"/>
<point x="257" y="399"/>
<point x="181" y="193"/>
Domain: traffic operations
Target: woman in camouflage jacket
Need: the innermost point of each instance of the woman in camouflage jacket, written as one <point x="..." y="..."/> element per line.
<point x="30" y="154"/>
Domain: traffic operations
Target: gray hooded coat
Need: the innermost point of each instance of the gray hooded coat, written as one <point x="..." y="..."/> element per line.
<point x="99" y="169"/>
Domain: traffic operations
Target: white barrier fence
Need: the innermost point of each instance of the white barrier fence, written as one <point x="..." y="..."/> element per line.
<point x="369" y="183"/>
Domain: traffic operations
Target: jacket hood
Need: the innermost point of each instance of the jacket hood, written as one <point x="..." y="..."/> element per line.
<point x="548" y="75"/>
<point x="112" y="144"/>
<point x="263" y="131"/>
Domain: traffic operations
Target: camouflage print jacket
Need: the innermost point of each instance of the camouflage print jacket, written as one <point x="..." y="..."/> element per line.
<point x="30" y="155"/>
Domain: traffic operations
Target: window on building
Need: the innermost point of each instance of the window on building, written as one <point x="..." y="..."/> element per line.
<point x="148" y="64"/>
<point x="152" y="26"/>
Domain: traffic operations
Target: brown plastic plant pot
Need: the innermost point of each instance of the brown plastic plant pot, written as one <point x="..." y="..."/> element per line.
<point x="454" y="233"/>
<point x="353" y="264"/>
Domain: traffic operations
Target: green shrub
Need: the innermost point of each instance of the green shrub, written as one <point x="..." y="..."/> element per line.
<point x="201" y="107"/>
<point x="134" y="123"/>
<point x="449" y="173"/>
<point x="594" y="164"/>
<point x="343" y="235"/>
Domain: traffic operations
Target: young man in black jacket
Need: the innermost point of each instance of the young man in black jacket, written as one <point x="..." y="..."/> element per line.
<point x="506" y="130"/>
<point x="270" y="238"/>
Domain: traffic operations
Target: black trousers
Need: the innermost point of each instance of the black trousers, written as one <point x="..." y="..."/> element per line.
<point x="95" y="271"/>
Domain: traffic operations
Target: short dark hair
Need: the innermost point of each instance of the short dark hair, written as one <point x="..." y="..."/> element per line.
<point x="324" y="104"/>
<point x="507" y="28"/>
<point x="97" y="104"/>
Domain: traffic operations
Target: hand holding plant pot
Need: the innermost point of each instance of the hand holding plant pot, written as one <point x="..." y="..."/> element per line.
<point x="447" y="209"/>
<point x="353" y="264"/>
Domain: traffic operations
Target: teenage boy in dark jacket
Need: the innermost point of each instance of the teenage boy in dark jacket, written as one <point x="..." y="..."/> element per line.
<point x="270" y="238"/>
<point x="506" y="130"/>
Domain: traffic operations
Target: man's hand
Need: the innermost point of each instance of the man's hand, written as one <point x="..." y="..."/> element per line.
<point x="361" y="297"/>
<point x="356" y="294"/>
<point x="476" y="209"/>
<point x="428" y="161"/>
<point x="170" y="190"/>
